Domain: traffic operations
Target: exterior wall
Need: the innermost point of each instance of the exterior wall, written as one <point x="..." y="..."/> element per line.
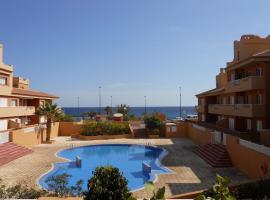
<point x="22" y="83"/>
<point x="249" y="45"/>
<point x="221" y="79"/>
<point x="31" y="136"/>
<point x="247" y="160"/>
<point x="199" y="135"/>
<point x="69" y="129"/>
<point x="181" y="130"/>
<point x="267" y="95"/>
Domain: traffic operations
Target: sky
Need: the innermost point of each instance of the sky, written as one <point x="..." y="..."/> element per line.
<point x="131" y="48"/>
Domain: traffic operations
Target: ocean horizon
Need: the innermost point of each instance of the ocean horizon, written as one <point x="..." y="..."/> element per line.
<point x="171" y="112"/>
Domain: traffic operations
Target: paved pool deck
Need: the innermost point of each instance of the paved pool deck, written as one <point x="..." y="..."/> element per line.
<point x="190" y="171"/>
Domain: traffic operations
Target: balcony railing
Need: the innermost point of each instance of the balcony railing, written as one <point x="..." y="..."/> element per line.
<point x="5" y="90"/>
<point x="254" y="136"/>
<point x="245" y="84"/>
<point x="241" y="110"/>
<point x="17" y="111"/>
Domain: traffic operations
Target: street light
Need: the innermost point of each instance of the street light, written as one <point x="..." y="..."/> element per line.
<point x="180" y="101"/>
<point x="111" y="105"/>
<point x="145" y="104"/>
<point x="99" y="94"/>
<point x="78" y="108"/>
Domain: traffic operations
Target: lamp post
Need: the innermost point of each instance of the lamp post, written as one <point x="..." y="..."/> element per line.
<point x="78" y="108"/>
<point x="111" y="105"/>
<point x="99" y="94"/>
<point x="180" y="101"/>
<point x="145" y="104"/>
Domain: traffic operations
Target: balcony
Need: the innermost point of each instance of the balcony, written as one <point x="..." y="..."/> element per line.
<point x="201" y="108"/>
<point x="16" y="111"/>
<point x="245" y="84"/>
<point x="8" y="68"/>
<point x="5" y="90"/>
<point x="240" y="110"/>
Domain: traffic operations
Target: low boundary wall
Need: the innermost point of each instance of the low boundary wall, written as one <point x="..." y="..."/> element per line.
<point x="246" y="156"/>
<point x="32" y="135"/>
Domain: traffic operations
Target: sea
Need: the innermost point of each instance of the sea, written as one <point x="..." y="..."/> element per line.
<point x="171" y="112"/>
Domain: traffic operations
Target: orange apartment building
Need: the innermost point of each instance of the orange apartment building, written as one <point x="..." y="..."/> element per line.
<point x="18" y="103"/>
<point x="240" y="103"/>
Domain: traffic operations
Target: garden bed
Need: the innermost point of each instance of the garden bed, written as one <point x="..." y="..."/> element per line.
<point x="103" y="137"/>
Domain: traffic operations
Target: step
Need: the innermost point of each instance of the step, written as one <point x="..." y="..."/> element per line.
<point x="215" y="155"/>
<point x="10" y="151"/>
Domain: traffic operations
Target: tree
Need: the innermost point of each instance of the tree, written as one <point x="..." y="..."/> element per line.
<point x="107" y="183"/>
<point x="90" y="114"/>
<point x="52" y="112"/>
<point x="123" y="108"/>
<point x="152" y="122"/>
<point x="220" y="190"/>
<point x="108" y="110"/>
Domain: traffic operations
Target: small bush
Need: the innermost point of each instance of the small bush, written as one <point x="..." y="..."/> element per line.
<point x="107" y="183"/>
<point x="156" y="131"/>
<point x="58" y="185"/>
<point x="152" y="122"/>
<point x="105" y="128"/>
<point x="20" y="191"/>
<point x="66" y="118"/>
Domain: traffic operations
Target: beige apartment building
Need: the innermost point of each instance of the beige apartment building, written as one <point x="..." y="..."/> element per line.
<point x="18" y="103"/>
<point x="241" y="100"/>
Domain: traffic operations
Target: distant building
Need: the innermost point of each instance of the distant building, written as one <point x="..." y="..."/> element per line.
<point x="18" y="103"/>
<point x="240" y="101"/>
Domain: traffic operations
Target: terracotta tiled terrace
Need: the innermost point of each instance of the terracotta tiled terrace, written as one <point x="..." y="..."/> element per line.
<point x="190" y="171"/>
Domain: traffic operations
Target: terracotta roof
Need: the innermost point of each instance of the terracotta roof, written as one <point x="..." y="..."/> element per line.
<point x="32" y="93"/>
<point x="211" y="92"/>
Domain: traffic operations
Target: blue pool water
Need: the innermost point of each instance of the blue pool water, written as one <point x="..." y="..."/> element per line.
<point x="128" y="158"/>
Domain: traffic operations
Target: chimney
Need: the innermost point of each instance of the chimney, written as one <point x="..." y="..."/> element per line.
<point x="1" y="53"/>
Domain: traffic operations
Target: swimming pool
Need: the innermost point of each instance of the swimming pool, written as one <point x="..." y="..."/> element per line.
<point x="128" y="158"/>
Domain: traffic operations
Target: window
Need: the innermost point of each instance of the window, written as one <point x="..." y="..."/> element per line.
<point x="259" y="72"/>
<point x="14" y="102"/>
<point x="248" y="124"/>
<point x="259" y="99"/>
<point x="231" y="123"/>
<point x="238" y="55"/>
<point x="3" y="80"/>
<point x="259" y="125"/>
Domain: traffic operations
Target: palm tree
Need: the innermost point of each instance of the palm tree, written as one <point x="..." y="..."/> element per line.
<point x="123" y="108"/>
<point x="108" y="110"/>
<point x="52" y="112"/>
<point x="90" y="114"/>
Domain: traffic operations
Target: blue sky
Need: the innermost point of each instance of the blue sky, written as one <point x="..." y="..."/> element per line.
<point x="131" y="48"/>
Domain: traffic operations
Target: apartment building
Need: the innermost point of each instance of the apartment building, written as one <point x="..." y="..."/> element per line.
<point x="241" y="99"/>
<point x="18" y="103"/>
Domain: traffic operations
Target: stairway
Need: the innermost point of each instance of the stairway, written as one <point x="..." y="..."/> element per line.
<point x="215" y="155"/>
<point x="10" y="151"/>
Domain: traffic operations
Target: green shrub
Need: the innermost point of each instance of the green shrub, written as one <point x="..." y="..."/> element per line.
<point x="58" y="185"/>
<point x="220" y="190"/>
<point x="105" y="128"/>
<point x="107" y="183"/>
<point x="20" y="191"/>
<point x="152" y="122"/>
<point x="156" y="131"/>
<point x="66" y="118"/>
